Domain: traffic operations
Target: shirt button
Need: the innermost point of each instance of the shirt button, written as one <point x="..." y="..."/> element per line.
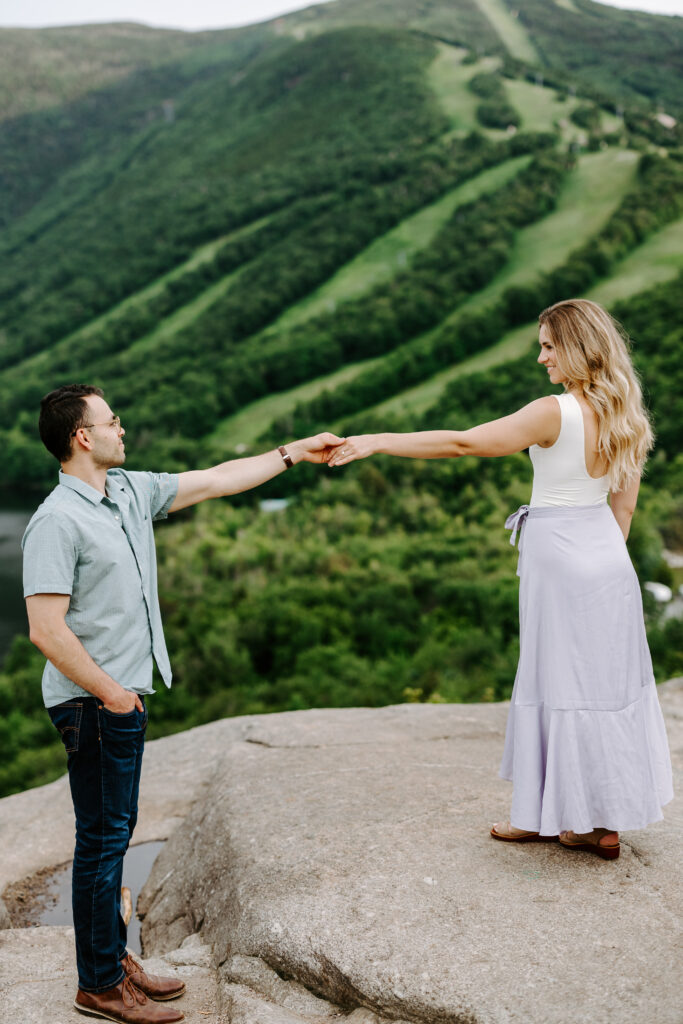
<point x="117" y="518"/>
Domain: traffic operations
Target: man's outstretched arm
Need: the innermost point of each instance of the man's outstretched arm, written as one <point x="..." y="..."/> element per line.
<point x="243" y="474"/>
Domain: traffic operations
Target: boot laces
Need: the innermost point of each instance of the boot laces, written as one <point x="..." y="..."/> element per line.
<point x="131" y="964"/>
<point x="130" y="994"/>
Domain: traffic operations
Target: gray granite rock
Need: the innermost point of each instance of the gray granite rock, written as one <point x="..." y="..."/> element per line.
<point x="37" y="826"/>
<point x="347" y="851"/>
<point x="38" y="979"/>
<point x="247" y="971"/>
<point x="336" y="865"/>
<point x="5" y="920"/>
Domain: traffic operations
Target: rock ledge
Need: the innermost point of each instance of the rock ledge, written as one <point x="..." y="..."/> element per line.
<point x="336" y="865"/>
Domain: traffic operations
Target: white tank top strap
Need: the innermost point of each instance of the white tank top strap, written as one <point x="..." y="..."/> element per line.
<point x="571" y="437"/>
<point x="560" y="474"/>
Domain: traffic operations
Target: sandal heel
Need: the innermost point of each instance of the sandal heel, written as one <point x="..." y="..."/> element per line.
<point x="607" y="852"/>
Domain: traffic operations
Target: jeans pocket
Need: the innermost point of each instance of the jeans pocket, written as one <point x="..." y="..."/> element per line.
<point x="132" y="723"/>
<point x="119" y="714"/>
<point x="66" y="718"/>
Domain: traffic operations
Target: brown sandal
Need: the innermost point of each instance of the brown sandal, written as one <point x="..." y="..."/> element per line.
<point x="509" y="834"/>
<point x="591" y="842"/>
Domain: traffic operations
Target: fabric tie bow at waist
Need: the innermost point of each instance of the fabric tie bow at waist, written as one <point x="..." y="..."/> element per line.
<point x="515" y="522"/>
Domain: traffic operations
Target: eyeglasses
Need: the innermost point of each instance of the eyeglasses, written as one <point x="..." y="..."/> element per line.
<point x="116" y="423"/>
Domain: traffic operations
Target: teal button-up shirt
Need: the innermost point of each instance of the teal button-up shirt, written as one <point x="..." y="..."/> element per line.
<point x="100" y="550"/>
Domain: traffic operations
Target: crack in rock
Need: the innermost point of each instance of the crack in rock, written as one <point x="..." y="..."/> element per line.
<point x="244" y="978"/>
<point x="277" y="986"/>
<point x="273" y="745"/>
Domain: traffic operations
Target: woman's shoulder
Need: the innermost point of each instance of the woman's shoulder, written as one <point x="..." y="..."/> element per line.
<point x="547" y="415"/>
<point x="549" y="408"/>
<point x="547" y="403"/>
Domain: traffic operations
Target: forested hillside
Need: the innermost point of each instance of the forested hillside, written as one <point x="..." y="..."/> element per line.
<point x="615" y="54"/>
<point x="347" y="218"/>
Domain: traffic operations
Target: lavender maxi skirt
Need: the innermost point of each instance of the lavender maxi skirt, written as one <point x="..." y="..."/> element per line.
<point x="585" y="745"/>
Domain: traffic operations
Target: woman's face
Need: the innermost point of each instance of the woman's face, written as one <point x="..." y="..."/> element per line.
<point x="547" y="356"/>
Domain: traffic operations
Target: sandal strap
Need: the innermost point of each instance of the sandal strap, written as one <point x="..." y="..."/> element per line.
<point x="506" y="828"/>
<point x="593" y="839"/>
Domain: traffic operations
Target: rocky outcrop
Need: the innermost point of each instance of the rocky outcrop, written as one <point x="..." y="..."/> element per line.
<point x="37" y="826"/>
<point x="336" y="865"/>
<point x="38" y="970"/>
<point x="340" y="862"/>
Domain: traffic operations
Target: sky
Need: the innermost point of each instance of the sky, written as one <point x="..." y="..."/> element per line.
<point x="198" y="14"/>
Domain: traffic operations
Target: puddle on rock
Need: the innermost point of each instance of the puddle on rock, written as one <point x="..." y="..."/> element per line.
<point x="45" y="898"/>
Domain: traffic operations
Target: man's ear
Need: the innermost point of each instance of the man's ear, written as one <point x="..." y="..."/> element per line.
<point x="79" y="441"/>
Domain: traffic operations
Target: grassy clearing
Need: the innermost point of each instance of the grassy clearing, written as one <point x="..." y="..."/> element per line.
<point x="540" y="108"/>
<point x="418" y="400"/>
<point x="593" y="191"/>
<point x="201" y="255"/>
<point x="448" y="78"/>
<point x="184" y="316"/>
<point x="377" y="263"/>
<point x="610" y="122"/>
<point x="512" y="33"/>
<point x="659" y="259"/>
<point x="394" y="250"/>
<point x="246" y="426"/>
<point x="204" y="254"/>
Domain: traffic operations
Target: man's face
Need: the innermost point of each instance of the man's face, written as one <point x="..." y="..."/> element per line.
<point x="105" y="434"/>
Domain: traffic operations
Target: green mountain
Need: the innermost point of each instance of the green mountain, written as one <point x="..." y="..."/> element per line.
<point x="623" y="54"/>
<point x="618" y="53"/>
<point x="346" y="218"/>
<point x="171" y="228"/>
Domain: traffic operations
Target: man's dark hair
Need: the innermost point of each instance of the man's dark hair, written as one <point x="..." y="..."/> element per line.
<point x="62" y="412"/>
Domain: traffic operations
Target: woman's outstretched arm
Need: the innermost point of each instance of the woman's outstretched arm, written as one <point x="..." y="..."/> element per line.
<point x="536" y="423"/>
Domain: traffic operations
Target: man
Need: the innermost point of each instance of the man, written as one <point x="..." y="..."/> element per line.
<point x="91" y="594"/>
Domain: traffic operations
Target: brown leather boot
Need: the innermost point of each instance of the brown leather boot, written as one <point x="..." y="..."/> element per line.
<point x="125" y="1004"/>
<point x="151" y="984"/>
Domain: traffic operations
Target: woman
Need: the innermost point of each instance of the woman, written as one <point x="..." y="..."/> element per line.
<point x="586" y="746"/>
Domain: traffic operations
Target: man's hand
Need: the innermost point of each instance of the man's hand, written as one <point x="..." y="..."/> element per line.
<point x="52" y="636"/>
<point x="122" y="703"/>
<point x="239" y="475"/>
<point x="314" y="449"/>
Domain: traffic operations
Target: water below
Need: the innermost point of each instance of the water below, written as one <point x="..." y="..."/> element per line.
<point x="13" y="522"/>
<point x="136" y="868"/>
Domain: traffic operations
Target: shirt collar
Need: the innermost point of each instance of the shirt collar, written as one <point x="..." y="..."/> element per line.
<point x="76" y="484"/>
<point x="116" y="492"/>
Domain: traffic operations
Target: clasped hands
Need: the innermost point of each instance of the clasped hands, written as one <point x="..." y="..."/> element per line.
<point x="337" y="451"/>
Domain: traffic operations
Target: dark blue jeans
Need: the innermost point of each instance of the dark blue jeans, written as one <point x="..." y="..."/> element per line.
<point x="104" y="760"/>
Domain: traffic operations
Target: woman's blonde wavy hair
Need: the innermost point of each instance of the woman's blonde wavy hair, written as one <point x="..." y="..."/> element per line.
<point x="592" y="350"/>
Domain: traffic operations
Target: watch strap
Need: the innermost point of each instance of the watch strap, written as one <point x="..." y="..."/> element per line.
<point x="286" y="456"/>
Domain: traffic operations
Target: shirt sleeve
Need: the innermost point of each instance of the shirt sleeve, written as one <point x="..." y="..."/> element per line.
<point x="50" y="557"/>
<point x="164" y="489"/>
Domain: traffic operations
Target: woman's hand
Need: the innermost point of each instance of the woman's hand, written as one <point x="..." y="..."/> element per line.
<point x="353" y="448"/>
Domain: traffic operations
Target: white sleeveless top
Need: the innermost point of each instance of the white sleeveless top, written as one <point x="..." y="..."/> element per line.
<point x="560" y="474"/>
